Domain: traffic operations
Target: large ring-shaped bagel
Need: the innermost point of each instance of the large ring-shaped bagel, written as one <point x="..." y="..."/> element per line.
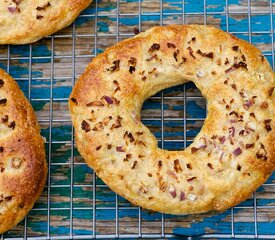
<point x="23" y="168"/>
<point x="231" y="156"/>
<point x="26" y="21"/>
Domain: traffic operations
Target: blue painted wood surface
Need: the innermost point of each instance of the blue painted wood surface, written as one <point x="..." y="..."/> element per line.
<point x="47" y="70"/>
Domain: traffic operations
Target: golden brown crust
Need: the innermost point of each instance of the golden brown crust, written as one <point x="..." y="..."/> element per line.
<point x="23" y="168"/>
<point x="29" y="20"/>
<point x="231" y="156"/>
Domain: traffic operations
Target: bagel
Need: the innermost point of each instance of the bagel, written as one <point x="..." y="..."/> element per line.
<point x="27" y="21"/>
<point x="23" y="168"/>
<point x="232" y="155"/>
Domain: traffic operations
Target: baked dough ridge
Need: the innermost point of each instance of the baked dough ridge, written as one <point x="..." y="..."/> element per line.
<point x="233" y="154"/>
<point x="27" y="21"/>
<point x="23" y="168"/>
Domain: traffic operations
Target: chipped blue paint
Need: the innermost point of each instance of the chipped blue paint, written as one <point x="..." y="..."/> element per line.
<point x="216" y="6"/>
<point x="193" y="110"/>
<point x="107" y="7"/>
<point x="153" y="105"/>
<point x="40" y="50"/>
<point x="20" y="72"/>
<point x="215" y="223"/>
<point x="62" y="92"/>
<point x="258" y="23"/>
<point x="24" y="51"/>
<point x="82" y="231"/>
<point x="102" y="27"/>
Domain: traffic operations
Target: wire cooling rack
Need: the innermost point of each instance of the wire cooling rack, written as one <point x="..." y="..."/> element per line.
<point x="75" y="203"/>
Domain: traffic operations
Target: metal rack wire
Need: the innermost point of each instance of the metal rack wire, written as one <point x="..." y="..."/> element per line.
<point x="75" y="203"/>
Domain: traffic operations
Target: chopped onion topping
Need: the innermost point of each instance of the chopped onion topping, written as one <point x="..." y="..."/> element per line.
<point x="261" y="154"/>
<point x="109" y="100"/>
<point x="264" y="105"/>
<point x="95" y="104"/>
<point x="120" y="149"/>
<point x="267" y="123"/>
<point x="194" y="149"/>
<point x="243" y="94"/>
<point x="221" y="156"/>
<point x="172" y="191"/>
<point x="177" y="166"/>
<point x="85" y="126"/>
<point x="200" y="73"/>
<point x="192" y="197"/>
<point x="234" y="113"/>
<point x="232" y="131"/>
<point x="203" y="145"/>
<point x="182" y="196"/>
<point x="143" y="189"/>
<point x="243" y="132"/>
<point x="210" y="165"/>
<point x="250" y="126"/>
<point x="12" y="9"/>
<point x="248" y="103"/>
<point x="249" y="145"/>
<point x="135" y="117"/>
<point x="237" y="152"/>
<point x="222" y="139"/>
<point x="172" y="174"/>
<point x="115" y="66"/>
<point x="190" y="179"/>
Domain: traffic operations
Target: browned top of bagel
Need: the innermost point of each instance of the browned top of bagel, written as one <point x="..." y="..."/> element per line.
<point x="26" y="21"/>
<point x="231" y="156"/>
<point x="23" y="167"/>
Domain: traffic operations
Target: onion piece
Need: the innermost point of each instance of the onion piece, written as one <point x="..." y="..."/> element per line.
<point x="221" y="156"/>
<point x="250" y="126"/>
<point x="232" y="131"/>
<point x="182" y="196"/>
<point x="233" y="120"/>
<point x="248" y="103"/>
<point x="194" y="149"/>
<point x="192" y="197"/>
<point x="108" y="99"/>
<point x="249" y="145"/>
<point x="172" y="174"/>
<point x="200" y="73"/>
<point x="135" y="117"/>
<point x="12" y="9"/>
<point x="222" y="139"/>
<point x="120" y="149"/>
<point x="95" y="104"/>
<point x="190" y="179"/>
<point x="203" y="144"/>
<point x="172" y="191"/>
<point x="237" y="152"/>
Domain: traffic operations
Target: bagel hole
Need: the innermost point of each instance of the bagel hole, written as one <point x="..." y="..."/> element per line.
<point x="175" y="115"/>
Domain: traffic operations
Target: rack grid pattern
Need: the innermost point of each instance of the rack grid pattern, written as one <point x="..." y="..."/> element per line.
<point x="74" y="207"/>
